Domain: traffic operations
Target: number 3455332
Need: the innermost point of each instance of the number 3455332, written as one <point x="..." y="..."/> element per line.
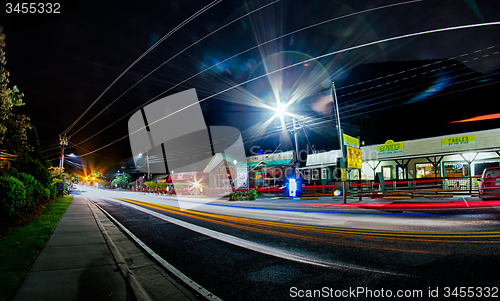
<point x="33" y="8"/>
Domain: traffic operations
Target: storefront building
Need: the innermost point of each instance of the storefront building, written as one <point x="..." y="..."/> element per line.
<point x="268" y="172"/>
<point x="451" y="156"/>
<point x="225" y="174"/>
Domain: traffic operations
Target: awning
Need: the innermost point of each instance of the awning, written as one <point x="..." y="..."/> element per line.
<point x="270" y="163"/>
<point x="187" y="176"/>
<point x="159" y="177"/>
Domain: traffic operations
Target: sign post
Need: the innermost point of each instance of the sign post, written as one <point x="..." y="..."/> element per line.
<point x="349" y="149"/>
<point x="341" y="141"/>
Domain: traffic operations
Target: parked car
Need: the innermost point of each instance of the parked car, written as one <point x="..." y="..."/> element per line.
<point x="489" y="183"/>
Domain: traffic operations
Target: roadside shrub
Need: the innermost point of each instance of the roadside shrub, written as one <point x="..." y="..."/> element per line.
<point x="53" y="191"/>
<point x="239" y="195"/>
<point x="25" y="163"/>
<point x="33" y="188"/>
<point x="46" y="193"/>
<point x="253" y="194"/>
<point x="12" y="194"/>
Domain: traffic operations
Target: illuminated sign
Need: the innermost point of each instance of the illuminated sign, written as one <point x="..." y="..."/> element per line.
<point x="458" y="140"/>
<point x="351" y="141"/>
<point x="242" y="179"/>
<point x="390" y="147"/>
<point x="292" y="187"/>
<point x="354" y="157"/>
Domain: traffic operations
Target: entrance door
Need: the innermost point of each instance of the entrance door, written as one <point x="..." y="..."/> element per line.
<point x="401" y="173"/>
<point x="387" y="172"/>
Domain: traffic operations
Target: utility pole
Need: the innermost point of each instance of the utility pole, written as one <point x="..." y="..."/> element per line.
<point x="63" y="141"/>
<point x="147" y="162"/>
<point x="341" y="142"/>
<point x="296" y="139"/>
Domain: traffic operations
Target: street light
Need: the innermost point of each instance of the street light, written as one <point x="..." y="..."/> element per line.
<point x="341" y="140"/>
<point x="147" y="160"/>
<point x="281" y="112"/>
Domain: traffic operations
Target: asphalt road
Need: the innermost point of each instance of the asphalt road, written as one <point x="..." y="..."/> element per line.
<point x="280" y="250"/>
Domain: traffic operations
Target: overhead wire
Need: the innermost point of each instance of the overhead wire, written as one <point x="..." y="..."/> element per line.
<point x="174" y="56"/>
<point x="311" y="59"/>
<point x="236" y="55"/>
<point x="139" y="58"/>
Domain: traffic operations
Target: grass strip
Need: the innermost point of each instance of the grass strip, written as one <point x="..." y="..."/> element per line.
<point x="20" y="247"/>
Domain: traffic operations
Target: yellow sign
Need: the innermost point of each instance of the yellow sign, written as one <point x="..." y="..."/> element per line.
<point x="354" y="157"/>
<point x="390" y="147"/>
<point x="343" y="174"/>
<point x="351" y="141"/>
<point x="458" y="140"/>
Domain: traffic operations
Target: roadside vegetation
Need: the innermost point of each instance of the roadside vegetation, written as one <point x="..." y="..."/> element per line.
<point x="29" y="210"/>
<point x="20" y="247"/>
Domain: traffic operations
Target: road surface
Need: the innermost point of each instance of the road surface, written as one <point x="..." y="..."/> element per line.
<point x="275" y="249"/>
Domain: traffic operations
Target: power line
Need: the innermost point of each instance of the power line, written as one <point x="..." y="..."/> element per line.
<point x="171" y="58"/>
<point x="315" y="58"/>
<point x="140" y="57"/>
<point x="230" y="58"/>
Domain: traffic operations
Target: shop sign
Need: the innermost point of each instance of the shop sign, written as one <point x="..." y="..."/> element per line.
<point x="351" y="141"/>
<point x="458" y="140"/>
<point x="242" y="179"/>
<point x="457" y="166"/>
<point x="354" y="158"/>
<point x="390" y="147"/>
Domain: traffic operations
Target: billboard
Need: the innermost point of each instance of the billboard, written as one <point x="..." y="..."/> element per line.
<point x="351" y="141"/>
<point x="354" y="157"/>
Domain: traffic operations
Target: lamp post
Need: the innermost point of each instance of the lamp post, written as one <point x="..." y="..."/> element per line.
<point x="341" y="141"/>
<point x="63" y="141"/>
<point x="296" y="126"/>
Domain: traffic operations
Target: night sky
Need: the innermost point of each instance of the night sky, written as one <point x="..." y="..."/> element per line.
<point x="64" y="62"/>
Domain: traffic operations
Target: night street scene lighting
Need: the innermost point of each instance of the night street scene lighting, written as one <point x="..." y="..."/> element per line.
<point x="250" y="150"/>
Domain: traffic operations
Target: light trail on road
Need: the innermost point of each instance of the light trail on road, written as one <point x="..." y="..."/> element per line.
<point x="407" y="206"/>
<point x="399" y="237"/>
<point x="274" y="249"/>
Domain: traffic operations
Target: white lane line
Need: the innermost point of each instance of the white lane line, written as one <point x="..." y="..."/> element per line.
<point x="465" y="201"/>
<point x="253" y="246"/>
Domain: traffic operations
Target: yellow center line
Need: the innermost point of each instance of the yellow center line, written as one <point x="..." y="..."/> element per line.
<point x="329" y="230"/>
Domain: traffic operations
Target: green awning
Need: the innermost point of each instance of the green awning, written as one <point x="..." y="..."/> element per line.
<point x="270" y="163"/>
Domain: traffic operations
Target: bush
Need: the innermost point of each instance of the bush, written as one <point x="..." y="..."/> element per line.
<point x="33" y="188"/>
<point x="25" y="163"/>
<point x="239" y="195"/>
<point x="253" y="194"/>
<point x="46" y="193"/>
<point x="53" y="191"/>
<point x="12" y="194"/>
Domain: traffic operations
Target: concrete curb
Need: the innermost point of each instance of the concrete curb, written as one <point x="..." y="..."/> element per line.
<point x="159" y="260"/>
<point x="137" y="289"/>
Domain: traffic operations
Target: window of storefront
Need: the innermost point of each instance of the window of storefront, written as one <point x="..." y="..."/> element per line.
<point x="324" y="173"/>
<point x="456" y="169"/>
<point x="387" y="172"/>
<point x="425" y="170"/>
<point x="315" y="174"/>
<point x="222" y="181"/>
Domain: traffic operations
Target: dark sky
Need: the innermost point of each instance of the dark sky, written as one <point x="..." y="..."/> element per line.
<point x="63" y="62"/>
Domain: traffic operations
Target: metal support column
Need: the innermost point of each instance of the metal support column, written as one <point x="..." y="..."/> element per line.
<point x="341" y="141"/>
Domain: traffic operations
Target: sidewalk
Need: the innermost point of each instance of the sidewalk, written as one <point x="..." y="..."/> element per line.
<point x="88" y="258"/>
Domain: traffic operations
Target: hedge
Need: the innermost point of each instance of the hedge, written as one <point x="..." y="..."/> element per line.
<point x="12" y="194"/>
<point x="34" y="189"/>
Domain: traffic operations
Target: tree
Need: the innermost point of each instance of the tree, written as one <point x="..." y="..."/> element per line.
<point x="13" y="127"/>
<point x="121" y="180"/>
